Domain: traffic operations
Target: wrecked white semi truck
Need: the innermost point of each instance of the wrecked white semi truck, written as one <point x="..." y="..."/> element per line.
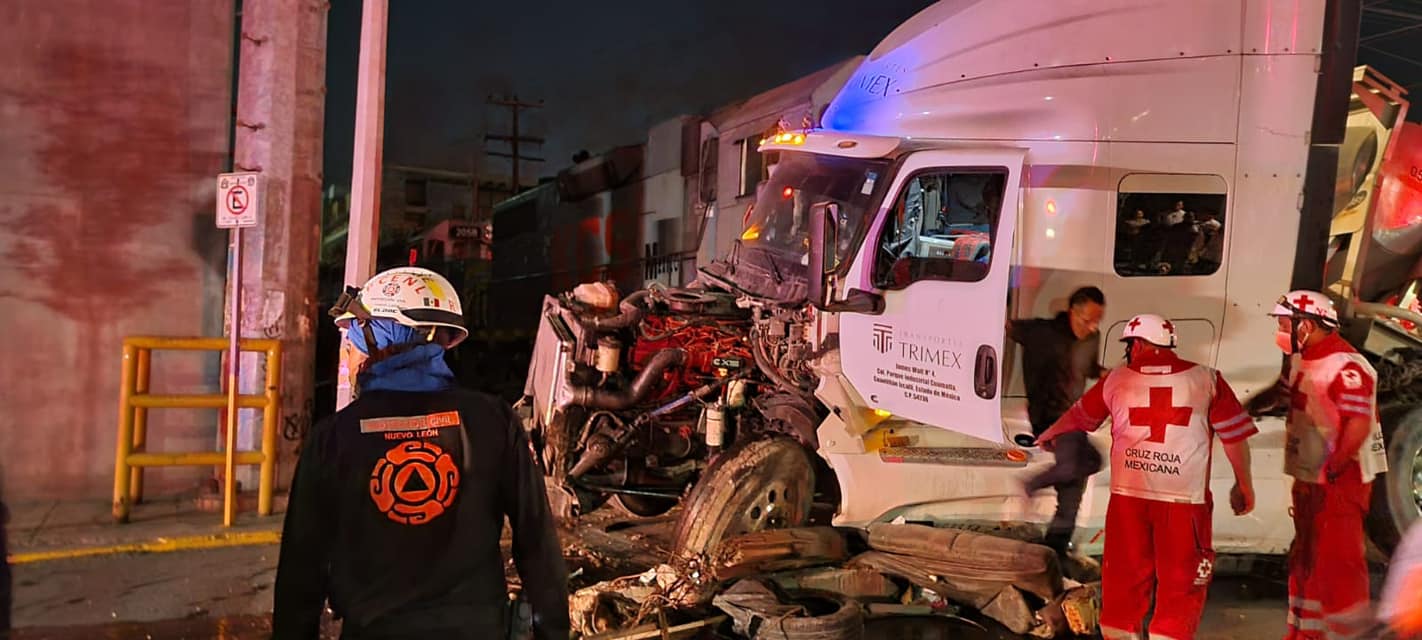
<point x="985" y="160"/>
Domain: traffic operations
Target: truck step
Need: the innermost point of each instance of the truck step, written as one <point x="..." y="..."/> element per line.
<point x="980" y="456"/>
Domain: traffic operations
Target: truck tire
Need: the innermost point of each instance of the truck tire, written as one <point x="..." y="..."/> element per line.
<point x="760" y="611"/>
<point x="1397" y="494"/>
<point x="762" y="484"/>
<point x="831" y="617"/>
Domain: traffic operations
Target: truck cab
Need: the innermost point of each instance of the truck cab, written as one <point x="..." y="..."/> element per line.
<point x="1191" y="160"/>
<point x="973" y="170"/>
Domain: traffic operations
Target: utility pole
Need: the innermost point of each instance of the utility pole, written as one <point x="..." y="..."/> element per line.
<point x="514" y="137"/>
<point x="363" y="231"/>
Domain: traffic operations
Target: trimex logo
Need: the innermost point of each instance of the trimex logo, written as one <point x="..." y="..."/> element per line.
<point x="883" y="337"/>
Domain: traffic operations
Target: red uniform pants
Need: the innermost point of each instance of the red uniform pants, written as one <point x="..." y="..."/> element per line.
<point x="1160" y="548"/>
<point x="1328" y="577"/>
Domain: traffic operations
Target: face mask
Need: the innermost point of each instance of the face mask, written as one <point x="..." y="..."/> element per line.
<point x="1284" y="340"/>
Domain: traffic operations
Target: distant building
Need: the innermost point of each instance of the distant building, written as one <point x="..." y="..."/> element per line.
<point x="413" y="199"/>
<point x="415" y="203"/>
<point x="489" y="193"/>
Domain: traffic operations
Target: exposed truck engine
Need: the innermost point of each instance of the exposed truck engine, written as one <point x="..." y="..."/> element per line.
<point x="633" y="398"/>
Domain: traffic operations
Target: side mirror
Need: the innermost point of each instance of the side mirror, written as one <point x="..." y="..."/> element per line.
<point x="824" y="231"/>
<point x="824" y="241"/>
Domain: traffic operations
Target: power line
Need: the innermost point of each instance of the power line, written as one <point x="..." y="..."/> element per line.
<point x="1389" y="34"/>
<point x="1394" y="13"/>
<point x="1393" y="55"/>
<point x="514" y="138"/>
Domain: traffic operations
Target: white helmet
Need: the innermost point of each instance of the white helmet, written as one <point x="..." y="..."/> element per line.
<point x="411" y="296"/>
<point x="1151" y="328"/>
<point x="1303" y="304"/>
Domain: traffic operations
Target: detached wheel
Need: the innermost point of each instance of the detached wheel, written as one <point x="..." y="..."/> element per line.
<point x="1397" y="494"/>
<point x="830" y="616"/>
<point x="763" y="484"/>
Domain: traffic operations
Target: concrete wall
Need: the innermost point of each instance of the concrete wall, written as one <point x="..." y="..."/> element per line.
<point x="114" y="121"/>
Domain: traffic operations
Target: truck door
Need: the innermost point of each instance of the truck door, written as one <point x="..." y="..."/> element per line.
<point x="939" y="254"/>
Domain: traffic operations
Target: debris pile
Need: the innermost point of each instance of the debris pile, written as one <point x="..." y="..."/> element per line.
<point x="825" y="583"/>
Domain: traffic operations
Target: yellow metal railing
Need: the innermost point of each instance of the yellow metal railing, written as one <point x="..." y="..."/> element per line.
<point x="135" y="400"/>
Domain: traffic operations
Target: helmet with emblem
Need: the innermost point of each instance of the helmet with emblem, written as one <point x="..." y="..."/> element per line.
<point x="410" y="296"/>
<point x="1302" y="304"/>
<point x="1150" y="328"/>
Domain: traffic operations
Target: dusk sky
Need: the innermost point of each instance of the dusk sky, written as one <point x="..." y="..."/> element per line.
<point x="606" y="71"/>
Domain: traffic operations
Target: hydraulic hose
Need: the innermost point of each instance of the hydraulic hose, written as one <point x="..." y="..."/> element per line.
<point x="762" y="361"/>
<point x="642" y="386"/>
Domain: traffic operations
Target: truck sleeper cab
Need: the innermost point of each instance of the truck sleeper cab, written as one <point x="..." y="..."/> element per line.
<point x="1160" y="157"/>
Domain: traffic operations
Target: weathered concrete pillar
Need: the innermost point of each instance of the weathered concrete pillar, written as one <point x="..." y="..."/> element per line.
<point x="280" y="112"/>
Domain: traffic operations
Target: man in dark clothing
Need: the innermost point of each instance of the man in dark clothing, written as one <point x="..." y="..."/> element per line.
<point x="1058" y="356"/>
<point x="399" y="499"/>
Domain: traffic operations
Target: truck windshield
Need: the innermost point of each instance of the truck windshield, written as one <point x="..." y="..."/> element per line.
<point x="779" y="219"/>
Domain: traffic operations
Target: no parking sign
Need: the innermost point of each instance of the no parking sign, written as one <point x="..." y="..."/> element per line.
<point x="239" y="199"/>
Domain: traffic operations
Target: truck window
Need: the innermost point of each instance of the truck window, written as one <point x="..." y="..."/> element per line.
<point x="753" y="170"/>
<point x="1169" y="233"/>
<point x="941" y="228"/>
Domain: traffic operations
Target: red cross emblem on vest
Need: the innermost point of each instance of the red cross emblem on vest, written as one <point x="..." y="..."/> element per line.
<point x="1160" y="414"/>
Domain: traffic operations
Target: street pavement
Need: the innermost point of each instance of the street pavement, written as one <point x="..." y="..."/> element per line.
<point x="226" y="592"/>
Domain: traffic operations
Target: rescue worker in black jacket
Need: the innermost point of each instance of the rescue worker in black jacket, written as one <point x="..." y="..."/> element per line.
<point x="399" y="499"/>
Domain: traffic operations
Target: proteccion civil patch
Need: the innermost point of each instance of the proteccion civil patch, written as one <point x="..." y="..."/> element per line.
<point x="404" y="428"/>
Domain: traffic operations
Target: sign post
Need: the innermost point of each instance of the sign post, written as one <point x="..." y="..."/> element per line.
<point x="239" y="197"/>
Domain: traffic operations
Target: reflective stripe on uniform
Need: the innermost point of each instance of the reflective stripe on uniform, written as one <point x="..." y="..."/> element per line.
<point x="1306" y="604"/>
<point x="1349" y="622"/>
<point x="1112" y="633"/>
<point x="1232" y="422"/>
<point x="1309" y="624"/>
<point x="1235" y="427"/>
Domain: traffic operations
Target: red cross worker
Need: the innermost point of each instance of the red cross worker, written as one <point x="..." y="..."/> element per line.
<point x="1333" y="449"/>
<point x="1165" y="413"/>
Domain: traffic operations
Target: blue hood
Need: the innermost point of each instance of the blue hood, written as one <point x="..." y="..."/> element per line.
<point x="419" y="369"/>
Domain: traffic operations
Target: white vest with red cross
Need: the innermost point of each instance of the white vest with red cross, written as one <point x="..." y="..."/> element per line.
<point x="1315" y="416"/>
<point x="1160" y="433"/>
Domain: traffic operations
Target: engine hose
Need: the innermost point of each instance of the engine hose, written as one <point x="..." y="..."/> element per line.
<point x="588" y="424"/>
<point x="762" y="361"/>
<point x="642" y="386"/>
<point x="630" y="312"/>
<point x="691" y="396"/>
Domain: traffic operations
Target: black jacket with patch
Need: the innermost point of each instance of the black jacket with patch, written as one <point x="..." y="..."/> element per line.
<point x="396" y="511"/>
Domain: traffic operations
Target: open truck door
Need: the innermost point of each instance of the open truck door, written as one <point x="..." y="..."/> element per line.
<point x="939" y="254"/>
